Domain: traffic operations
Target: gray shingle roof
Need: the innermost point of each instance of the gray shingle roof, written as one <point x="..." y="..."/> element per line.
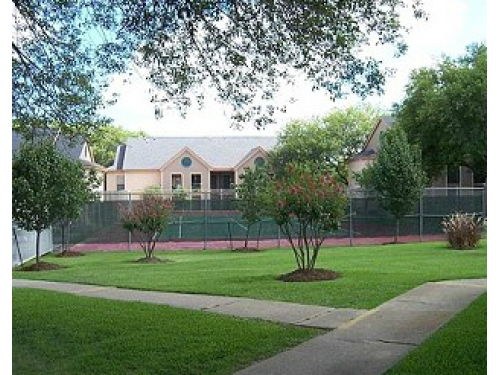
<point x="72" y="149"/>
<point x="224" y="152"/>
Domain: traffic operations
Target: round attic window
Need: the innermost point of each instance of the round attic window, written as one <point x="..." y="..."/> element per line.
<point x="186" y="161"/>
<point x="259" y="161"/>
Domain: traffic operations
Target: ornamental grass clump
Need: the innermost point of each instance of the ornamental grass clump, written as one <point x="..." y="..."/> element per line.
<point x="146" y="220"/>
<point x="463" y="230"/>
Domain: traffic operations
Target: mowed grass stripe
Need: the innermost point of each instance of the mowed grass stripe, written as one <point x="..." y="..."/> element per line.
<point x="371" y="275"/>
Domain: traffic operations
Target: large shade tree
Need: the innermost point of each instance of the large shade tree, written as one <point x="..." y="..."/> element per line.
<point x="47" y="188"/>
<point x="327" y="143"/>
<point x="244" y="50"/>
<point x="445" y="112"/>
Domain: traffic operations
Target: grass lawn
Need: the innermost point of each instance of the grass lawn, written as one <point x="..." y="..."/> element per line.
<point x="460" y="347"/>
<point x="371" y="274"/>
<point x="55" y="333"/>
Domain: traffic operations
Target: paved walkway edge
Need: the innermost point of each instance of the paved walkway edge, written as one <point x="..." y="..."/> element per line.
<point x="377" y="340"/>
<point x="280" y="312"/>
<point x="360" y="342"/>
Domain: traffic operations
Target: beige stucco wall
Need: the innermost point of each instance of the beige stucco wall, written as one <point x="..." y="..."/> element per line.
<point x="374" y="143"/>
<point x="356" y="166"/>
<point x="135" y="181"/>
<point x="175" y="166"/>
<point x="248" y="164"/>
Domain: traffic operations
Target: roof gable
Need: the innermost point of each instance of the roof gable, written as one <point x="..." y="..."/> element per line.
<point x="184" y="151"/>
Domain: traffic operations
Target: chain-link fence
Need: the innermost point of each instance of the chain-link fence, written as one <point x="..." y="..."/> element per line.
<point x="24" y="244"/>
<point x="208" y="216"/>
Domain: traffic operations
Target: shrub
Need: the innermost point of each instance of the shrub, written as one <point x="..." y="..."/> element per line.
<point x="146" y="220"/>
<point x="463" y="230"/>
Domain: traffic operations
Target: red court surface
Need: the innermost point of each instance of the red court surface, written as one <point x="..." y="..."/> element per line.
<point x="263" y="244"/>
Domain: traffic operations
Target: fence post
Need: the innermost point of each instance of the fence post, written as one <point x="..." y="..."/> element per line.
<point x="69" y="234"/>
<point x="129" y="233"/>
<point x="350" y="221"/>
<point x="17" y="245"/>
<point x="205" y="223"/>
<point x="484" y="208"/>
<point x="421" y="216"/>
<point x="279" y="237"/>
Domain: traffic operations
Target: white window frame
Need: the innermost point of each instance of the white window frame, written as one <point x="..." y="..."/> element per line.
<point x="191" y="181"/>
<point x="172" y="187"/>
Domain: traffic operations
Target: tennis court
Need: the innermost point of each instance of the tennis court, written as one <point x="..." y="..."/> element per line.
<point x="203" y="221"/>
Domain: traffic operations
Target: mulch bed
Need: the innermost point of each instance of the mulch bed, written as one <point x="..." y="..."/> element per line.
<point x="42" y="266"/>
<point x="318" y="274"/>
<point x="152" y="260"/>
<point x="69" y="254"/>
<point x="246" y="250"/>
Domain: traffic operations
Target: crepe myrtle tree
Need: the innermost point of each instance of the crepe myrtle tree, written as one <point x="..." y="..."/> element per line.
<point x="250" y="196"/>
<point x="146" y="220"/>
<point x="396" y="175"/>
<point x="47" y="188"/>
<point x="306" y="204"/>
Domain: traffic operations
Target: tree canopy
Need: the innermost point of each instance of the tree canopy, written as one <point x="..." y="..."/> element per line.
<point x="445" y="112"/>
<point x="244" y="50"/>
<point x="325" y="144"/>
<point x="47" y="187"/>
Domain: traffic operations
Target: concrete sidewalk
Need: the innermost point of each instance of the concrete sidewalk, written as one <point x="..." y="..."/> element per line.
<point x="375" y="341"/>
<point x="361" y="342"/>
<point x="280" y="312"/>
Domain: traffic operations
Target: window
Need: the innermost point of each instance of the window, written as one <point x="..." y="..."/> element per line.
<point x="259" y="161"/>
<point x="186" y="161"/>
<point x="120" y="182"/>
<point x="196" y="181"/>
<point x="176" y="181"/>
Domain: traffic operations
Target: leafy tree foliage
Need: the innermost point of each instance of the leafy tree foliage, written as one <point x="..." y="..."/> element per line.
<point x="251" y="192"/>
<point x="325" y="144"/>
<point x="306" y="204"/>
<point x="47" y="188"/>
<point x="146" y="220"/>
<point x="445" y="112"/>
<point x="106" y="138"/>
<point x="244" y="50"/>
<point x="55" y="79"/>
<point x="396" y="175"/>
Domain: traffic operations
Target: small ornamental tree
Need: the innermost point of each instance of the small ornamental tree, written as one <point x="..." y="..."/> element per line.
<point x="396" y="175"/>
<point x="250" y="197"/>
<point x="47" y="188"/>
<point x="146" y="220"/>
<point x="306" y="205"/>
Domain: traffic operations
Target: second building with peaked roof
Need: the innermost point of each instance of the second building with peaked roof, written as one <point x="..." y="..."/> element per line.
<point x="187" y="163"/>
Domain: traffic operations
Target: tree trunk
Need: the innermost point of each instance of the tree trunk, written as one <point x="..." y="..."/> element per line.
<point x="38" y="232"/>
<point x="63" y="245"/>
<point x="397" y="231"/>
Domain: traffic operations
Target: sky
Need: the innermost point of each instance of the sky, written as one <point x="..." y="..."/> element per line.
<point x="451" y="26"/>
